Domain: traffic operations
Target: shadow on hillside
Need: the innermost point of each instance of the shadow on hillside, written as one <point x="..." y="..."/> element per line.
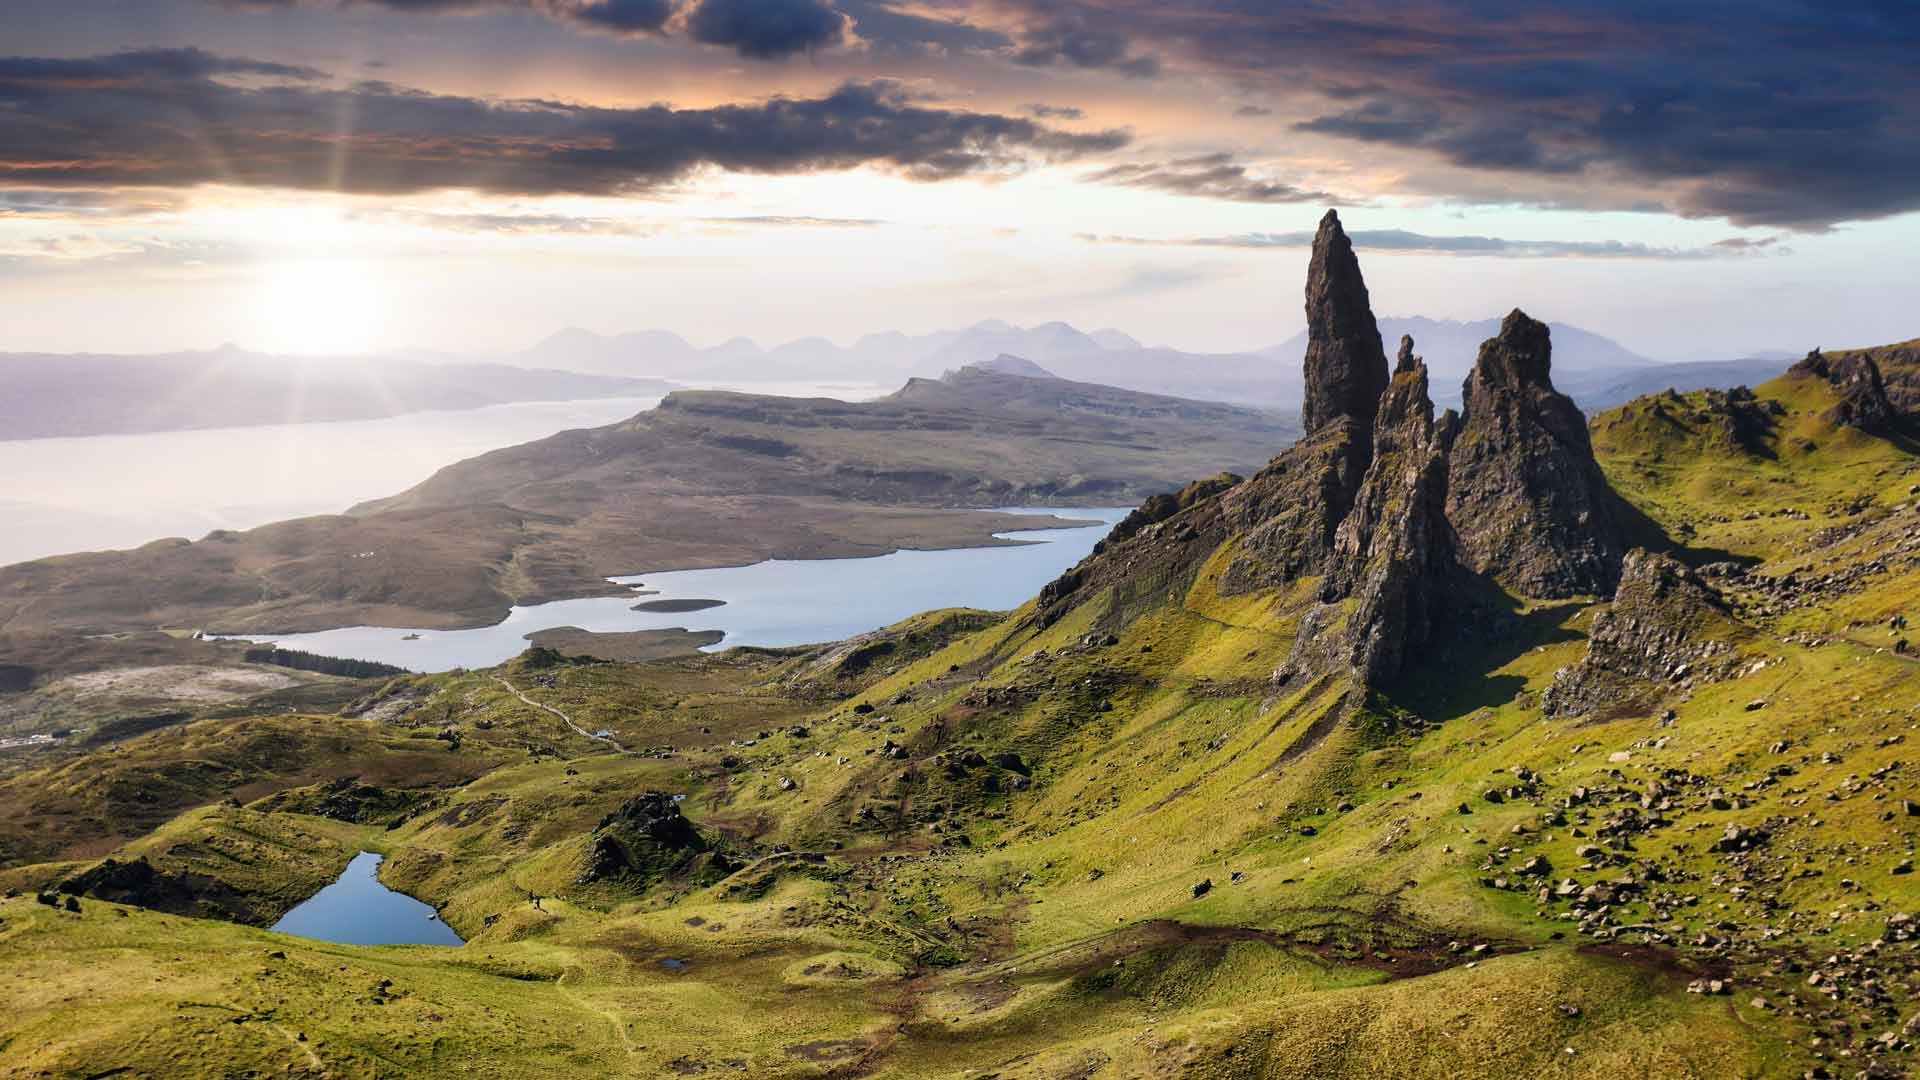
<point x="1642" y="531"/>
<point x="1485" y="631"/>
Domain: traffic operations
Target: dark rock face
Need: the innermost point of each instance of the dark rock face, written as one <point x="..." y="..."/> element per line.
<point x="1863" y="395"/>
<point x="1159" y="508"/>
<point x="138" y="883"/>
<point x="1527" y="500"/>
<point x="1667" y="629"/>
<point x="1394" y="551"/>
<point x="1900" y="371"/>
<point x="1293" y="509"/>
<point x="647" y="838"/>
<point x="1346" y="367"/>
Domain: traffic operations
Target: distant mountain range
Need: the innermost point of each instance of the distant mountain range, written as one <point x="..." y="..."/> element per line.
<point x="1596" y="370"/>
<point x="51" y="395"/>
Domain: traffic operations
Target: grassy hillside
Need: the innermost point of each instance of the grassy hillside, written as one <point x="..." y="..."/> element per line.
<point x="1105" y="843"/>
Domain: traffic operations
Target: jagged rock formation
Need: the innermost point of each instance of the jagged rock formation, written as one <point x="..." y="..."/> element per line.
<point x="1899" y="366"/>
<point x="1394" y="551"/>
<point x="1395" y="511"/>
<point x="1524" y="493"/>
<point x="1666" y="628"/>
<point x="1346" y="368"/>
<point x="1856" y="379"/>
<point x="648" y="837"/>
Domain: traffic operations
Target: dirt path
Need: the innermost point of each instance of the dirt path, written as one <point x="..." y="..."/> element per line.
<point x="1911" y="657"/>
<point x="585" y="1006"/>
<point x="564" y="718"/>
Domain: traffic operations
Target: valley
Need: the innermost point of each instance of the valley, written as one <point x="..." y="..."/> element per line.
<point x="1505" y="742"/>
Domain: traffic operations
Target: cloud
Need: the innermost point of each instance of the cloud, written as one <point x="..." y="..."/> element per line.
<point x="883" y="24"/>
<point x="1253" y="110"/>
<point x="513" y="224"/>
<point x="1790" y="113"/>
<point x="1053" y="112"/>
<point x="768" y="29"/>
<point x="618" y="16"/>
<point x="1076" y="42"/>
<point x="1465" y="246"/>
<point x="1796" y="114"/>
<point x="1744" y="243"/>
<point x="798" y="220"/>
<point x="1212" y="176"/>
<point x="757" y="29"/>
<point x="82" y="205"/>
<point x="176" y="118"/>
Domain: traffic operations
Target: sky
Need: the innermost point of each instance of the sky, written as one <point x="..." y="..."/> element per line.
<point x="1698" y="181"/>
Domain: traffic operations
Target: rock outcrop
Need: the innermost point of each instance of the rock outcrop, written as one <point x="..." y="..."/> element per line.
<point x="1526" y="497"/>
<point x="1666" y="629"/>
<point x="1346" y="367"/>
<point x="1393" y="554"/>
<point x="1395" y="515"/>
<point x="139" y="883"/>
<point x="1855" y="378"/>
<point x="1899" y="366"/>
<point x="647" y="838"/>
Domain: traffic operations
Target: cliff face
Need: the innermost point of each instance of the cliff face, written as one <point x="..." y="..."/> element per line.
<point x="1397" y="513"/>
<point x="1394" y="551"/>
<point x="1524" y="493"/>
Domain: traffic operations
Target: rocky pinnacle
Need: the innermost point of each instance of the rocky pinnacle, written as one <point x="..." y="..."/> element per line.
<point x="1527" y="500"/>
<point x="1346" y="367"/>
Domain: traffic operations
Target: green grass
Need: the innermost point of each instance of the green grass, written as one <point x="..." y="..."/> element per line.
<point x="943" y="915"/>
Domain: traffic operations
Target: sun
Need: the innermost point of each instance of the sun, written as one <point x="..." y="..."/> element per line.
<point x="318" y="307"/>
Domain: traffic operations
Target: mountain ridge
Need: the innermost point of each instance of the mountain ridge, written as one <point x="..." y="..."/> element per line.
<point x="707" y="478"/>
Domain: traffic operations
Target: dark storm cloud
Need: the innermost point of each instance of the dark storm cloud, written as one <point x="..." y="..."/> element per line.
<point x="1796" y="113"/>
<point x="884" y="25"/>
<point x="768" y="29"/>
<point x="1481" y="246"/>
<point x="1790" y="113"/>
<point x="1073" y="41"/>
<point x="623" y="16"/>
<point x="1053" y="112"/>
<point x="183" y="117"/>
<point x="1213" y="176"/>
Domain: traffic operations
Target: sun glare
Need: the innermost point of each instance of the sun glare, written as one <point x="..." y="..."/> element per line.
<point x="318" y="306"/>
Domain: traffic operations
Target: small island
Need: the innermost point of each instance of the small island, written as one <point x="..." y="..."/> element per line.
<point x="677" y="606"/>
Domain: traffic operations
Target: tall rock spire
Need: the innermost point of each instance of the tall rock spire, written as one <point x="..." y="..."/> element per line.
<point x="1528" y="503"/>
<point x="1393" y="554"/>
<point x="1346" y="367"/>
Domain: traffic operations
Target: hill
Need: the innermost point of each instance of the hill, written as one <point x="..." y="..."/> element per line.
<point x="51" y="396"/>
<point x="1266" y="377"/>
<point x="1488" y="743"/>
<point x="708" y="478"/>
